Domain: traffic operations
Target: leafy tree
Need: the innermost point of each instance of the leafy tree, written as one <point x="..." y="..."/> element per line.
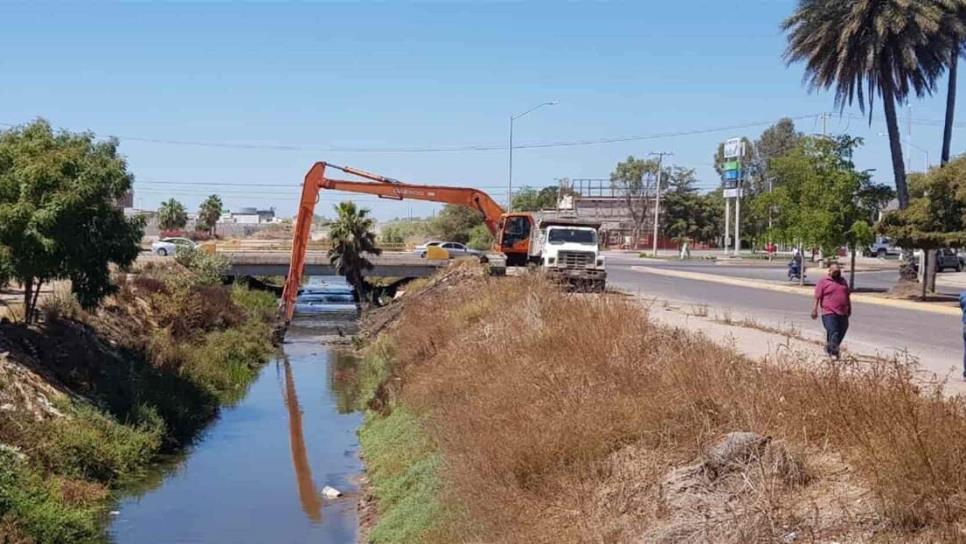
<point x="633" y="179"/>
<point x="455" y="223"/>
<point x="823" y="198"/>
<point x="890" y="48"/>
<point x="172" y="215"/>
<point x="58" y="218"/>
<point x="480" y="238"/>
<point x="209" y="213"/>
<point x="352" y="239"/>
<point x="687" y="214"/>
<point x="936" y="216"/>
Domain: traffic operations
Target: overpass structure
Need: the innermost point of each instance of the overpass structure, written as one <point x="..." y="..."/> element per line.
<point x="276" y="263"/>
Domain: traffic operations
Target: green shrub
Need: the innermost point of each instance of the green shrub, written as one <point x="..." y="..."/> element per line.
<point x="94" y="446"/>
<point x="36" y="508"/>
<point x="208" y="268"/>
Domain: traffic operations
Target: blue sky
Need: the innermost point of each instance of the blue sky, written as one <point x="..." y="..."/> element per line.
<point x="291" y="84"/>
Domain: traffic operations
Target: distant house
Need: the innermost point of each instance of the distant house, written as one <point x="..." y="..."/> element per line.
<point x="250" y="216"/>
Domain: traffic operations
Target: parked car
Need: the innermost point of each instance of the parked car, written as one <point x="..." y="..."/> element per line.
<point x="883" y="247"/>
<point x="455" y="249"/>
<point x="421" y="248"/>
<point x="949" y="258"/>
<point x="169" y="246"/>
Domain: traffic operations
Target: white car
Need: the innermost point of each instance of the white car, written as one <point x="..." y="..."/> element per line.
<point x="455" y="249"/>
<point x="169" y="246"/>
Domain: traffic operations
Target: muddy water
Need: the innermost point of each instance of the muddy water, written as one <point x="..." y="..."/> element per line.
<point x="257" y="474"/>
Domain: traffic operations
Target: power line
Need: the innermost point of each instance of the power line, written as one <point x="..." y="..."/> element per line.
<point x="443" y="149"/>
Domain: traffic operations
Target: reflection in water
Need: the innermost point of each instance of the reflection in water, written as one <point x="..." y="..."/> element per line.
<point x="308" y="496"/>
<point x="344" y="380"/>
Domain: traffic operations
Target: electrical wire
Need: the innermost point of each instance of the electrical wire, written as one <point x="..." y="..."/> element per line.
<point x="443" y="149"/>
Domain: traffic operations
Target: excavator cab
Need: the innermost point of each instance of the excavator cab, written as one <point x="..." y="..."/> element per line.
<point x="513" y="237"/>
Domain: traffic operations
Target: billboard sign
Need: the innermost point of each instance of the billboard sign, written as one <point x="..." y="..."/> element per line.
<point x="732" y="193"/>
<point x="733" y="148"/>
<point x="730" y="175"/>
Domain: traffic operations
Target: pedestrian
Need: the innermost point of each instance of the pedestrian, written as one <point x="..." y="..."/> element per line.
<point x="833" y="299"/>
<point x="962" y="306"/>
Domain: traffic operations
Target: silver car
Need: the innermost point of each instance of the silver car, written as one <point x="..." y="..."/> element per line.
<point x="169" y="246"/>
<point x="455" y="249"/>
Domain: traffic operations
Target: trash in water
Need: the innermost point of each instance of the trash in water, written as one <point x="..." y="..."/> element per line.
<point x="330" y="492"/>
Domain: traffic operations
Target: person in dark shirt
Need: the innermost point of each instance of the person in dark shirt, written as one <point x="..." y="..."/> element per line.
<point x="832" y="297"/>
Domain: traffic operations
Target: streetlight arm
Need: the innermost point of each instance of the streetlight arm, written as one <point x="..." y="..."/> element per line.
<point x="538" y="106"/>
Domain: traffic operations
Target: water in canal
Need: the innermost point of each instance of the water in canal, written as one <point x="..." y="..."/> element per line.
<point x="257" y="474"/>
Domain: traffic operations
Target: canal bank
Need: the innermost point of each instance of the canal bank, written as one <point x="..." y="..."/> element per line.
<point x="90" y="399"/>
<point x="257" y="473"/>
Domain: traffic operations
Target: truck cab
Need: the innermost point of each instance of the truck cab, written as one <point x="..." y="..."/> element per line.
<point x="569" y="250"/>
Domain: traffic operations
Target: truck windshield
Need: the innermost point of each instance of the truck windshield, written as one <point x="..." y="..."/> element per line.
<point x="573" y="236"/>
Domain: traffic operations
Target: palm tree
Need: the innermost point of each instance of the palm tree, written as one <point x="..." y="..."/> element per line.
<point x="893" y="48"/>
<point x="954" y="31"/>
<point x="209" y="213"/>
<point x="352" y="239"/>
<point x="172" y="215"/>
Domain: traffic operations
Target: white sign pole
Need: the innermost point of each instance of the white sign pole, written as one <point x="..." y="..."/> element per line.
<point x="727" y="232"/>
<point x="738" y="202"/>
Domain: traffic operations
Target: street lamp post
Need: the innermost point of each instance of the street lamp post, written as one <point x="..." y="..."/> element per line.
<point x="509" y="182"/>
<point x="924" y="152"/>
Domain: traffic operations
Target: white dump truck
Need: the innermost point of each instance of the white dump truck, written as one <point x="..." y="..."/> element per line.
<point x="568" y="249"/>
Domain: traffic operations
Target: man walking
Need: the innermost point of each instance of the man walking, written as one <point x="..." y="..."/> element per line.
<point x="833" y="298"/>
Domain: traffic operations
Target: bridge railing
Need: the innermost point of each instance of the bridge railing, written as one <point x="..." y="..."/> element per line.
<point x="286" y="245"/>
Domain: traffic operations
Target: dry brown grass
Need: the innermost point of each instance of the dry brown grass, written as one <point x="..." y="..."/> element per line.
<point x="559" y="417"/>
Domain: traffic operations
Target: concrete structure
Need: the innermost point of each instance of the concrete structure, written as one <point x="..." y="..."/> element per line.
<point x="276" y="263"/>
<point x="250" y="216"/>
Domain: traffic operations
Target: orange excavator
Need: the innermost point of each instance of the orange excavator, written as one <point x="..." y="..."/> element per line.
<point x="511" y="231"/>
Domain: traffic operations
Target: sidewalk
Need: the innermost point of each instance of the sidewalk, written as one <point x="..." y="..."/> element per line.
<point x="767" y="341"/>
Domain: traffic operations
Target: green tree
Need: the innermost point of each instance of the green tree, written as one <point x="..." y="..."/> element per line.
<point x="209" y="213"/>
<point x="633" y="180"/>
<point x="353" y="240"/>
<point x="455" y="223"/>
<point x="172" y="215"/>
<point x="936" y="216"/>
<point x="824" y="200"/>
<point x="58" y="218"/>
<point x="890" y="48"/>
<point x="687" y="214"/>
<point x="480" y="238"/>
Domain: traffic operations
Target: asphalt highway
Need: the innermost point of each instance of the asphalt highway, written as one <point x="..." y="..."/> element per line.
<point x="935" y="339"/>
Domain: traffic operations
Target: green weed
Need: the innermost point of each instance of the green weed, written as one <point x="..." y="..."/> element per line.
<point x="403" y="466"/>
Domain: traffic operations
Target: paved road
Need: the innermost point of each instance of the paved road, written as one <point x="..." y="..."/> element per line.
<point x="872" y="280"/>
<point x="935" y="338"/>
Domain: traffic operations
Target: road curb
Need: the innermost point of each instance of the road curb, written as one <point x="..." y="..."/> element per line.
<point x="759" y="284"/>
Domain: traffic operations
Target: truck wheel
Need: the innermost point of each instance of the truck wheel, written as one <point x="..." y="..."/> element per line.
<point x="599" y="286"/>
<point x="881" y="253"/>
<point x="163" y="252"/>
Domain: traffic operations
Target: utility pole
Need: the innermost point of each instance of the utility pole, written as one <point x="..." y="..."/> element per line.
<point x="657" y="199"/>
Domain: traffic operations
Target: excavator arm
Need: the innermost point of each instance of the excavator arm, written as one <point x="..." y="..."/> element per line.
<point x="383" y="187"/>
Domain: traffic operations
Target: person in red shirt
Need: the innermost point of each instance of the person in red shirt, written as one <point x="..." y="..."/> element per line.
<point x="832" y="297"/>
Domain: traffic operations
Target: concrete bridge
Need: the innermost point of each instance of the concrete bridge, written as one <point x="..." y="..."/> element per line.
<point x="275" y="263"/>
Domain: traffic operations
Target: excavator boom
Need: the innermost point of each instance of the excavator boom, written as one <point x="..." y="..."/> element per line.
<point x="382" y="187"/>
